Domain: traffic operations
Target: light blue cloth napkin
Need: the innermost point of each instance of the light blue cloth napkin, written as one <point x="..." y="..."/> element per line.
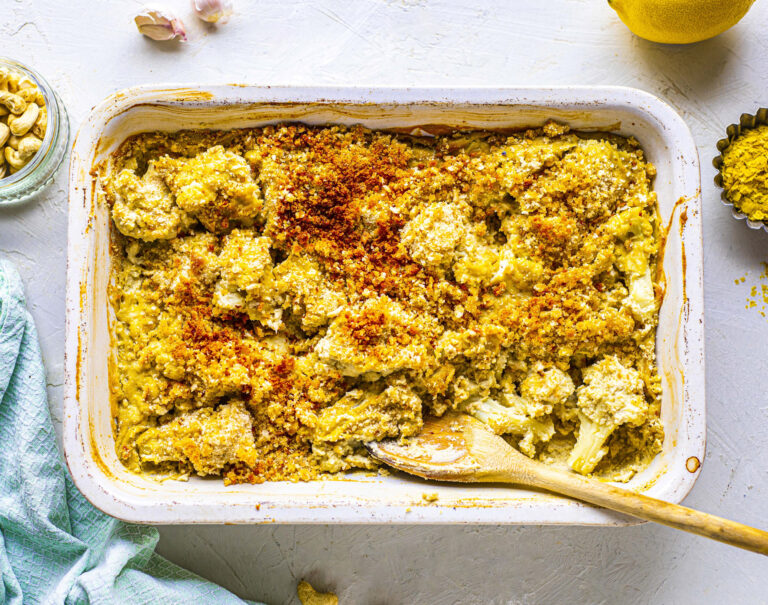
<point x="54" y="546"/>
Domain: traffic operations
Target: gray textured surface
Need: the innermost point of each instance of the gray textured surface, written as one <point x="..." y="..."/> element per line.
<point x="88" y="49"/>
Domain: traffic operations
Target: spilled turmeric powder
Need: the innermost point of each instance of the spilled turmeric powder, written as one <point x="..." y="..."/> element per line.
<point x="758" y="293"/>
<point x="745" y="173"/>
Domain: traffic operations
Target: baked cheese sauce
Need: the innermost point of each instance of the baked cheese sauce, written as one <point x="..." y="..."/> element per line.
<point x="285" y="294"/>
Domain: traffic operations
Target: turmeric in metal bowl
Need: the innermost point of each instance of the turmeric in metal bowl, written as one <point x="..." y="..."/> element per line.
<point x="745" y="173"/>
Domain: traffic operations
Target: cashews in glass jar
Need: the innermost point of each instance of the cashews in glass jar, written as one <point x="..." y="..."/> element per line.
<point x="22" y="124"/>
<point x="23" y="121"/>
<point x="13" y="103"/>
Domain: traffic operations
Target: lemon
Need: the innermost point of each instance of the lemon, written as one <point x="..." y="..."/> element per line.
<point x="679" y="21"/>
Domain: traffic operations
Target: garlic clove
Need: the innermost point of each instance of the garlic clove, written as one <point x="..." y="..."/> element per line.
<point x="160" y="25"/>
<point x="213" y="11"/>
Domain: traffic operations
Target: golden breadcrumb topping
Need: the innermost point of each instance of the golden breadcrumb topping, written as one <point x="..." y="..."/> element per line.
<point x="285" y="294"/>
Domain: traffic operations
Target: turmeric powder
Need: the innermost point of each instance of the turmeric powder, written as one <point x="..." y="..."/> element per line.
<point x="745" y="173"/>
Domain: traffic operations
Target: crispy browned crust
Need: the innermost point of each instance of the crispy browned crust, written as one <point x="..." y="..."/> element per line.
<point x="342" y="200"/>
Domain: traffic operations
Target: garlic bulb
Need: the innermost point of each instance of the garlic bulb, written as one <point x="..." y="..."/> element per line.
<point x="213" y="11"/>
<point x="160" y="25"/>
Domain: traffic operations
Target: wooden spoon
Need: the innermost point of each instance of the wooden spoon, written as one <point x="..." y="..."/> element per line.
<point x="457" y="447"/>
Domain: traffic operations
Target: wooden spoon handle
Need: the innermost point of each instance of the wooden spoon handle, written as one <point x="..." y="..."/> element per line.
<point x="644" y="507"/>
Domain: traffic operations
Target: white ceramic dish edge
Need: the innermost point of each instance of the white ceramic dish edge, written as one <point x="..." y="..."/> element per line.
<point x="88" y="443"/>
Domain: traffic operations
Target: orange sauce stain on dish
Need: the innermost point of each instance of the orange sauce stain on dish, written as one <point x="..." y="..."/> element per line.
<point x="671" y="373"/>
<point x="683" y="221"/>
<point x="661" y="278"/>
<point x="96" y="454"/>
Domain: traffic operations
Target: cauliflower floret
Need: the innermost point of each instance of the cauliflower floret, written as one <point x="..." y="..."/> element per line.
<point x="481" y="344"/>
<point x="433" y="235"/>
<point x="635" y="245"/>
<point x="591" y="181"/>
<point x="247" y="283"/>
<point x="191" y="262"/>
<point x="144" y="207"/>
<point x="611" y="395"/>
<point x="471" y="386"/>
<point x="545" y="388"/>
<point x="377" y="338"/>
<point x="527" y="414"/>
<point x="216" y="186"/>
<point x="361" y="416"/>
<point x="512" y="418"/>
<point x="633" y="231"/>
<point x="312" y="296"/>
<point x="642" y="298"/>
<point x="368" y="416"/>
<point x="475" y="262"/>
<point x="522" y="158"/>
<point x="517" y="271"/>
<point x="206" y="438"/>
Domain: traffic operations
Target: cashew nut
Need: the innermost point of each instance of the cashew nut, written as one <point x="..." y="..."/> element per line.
<point x="12" y="82"/>
<point x="31" y="95"/>
<point x="21" y="125"/>
<point x="4" y="132"/>
<point x="42" y="122"/>
<point x="13" y="141"/>
<point x="14" y="103"/>
<point x="29" y="146"/>
<point x="14" y="159"/>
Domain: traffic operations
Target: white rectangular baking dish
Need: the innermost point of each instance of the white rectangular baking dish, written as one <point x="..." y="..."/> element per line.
<point x="88" y="439"/>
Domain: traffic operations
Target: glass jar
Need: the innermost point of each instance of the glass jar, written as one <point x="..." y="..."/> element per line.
<point x="40" y="170"/>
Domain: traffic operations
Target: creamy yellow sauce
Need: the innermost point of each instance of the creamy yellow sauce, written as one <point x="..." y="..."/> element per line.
<point x="284" y="295"/>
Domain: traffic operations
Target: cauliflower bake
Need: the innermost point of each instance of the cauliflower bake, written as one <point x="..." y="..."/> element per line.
<point x="283" y="295"/>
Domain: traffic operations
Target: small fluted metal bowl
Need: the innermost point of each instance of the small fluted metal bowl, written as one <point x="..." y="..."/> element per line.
<point x="746" y="122"/>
